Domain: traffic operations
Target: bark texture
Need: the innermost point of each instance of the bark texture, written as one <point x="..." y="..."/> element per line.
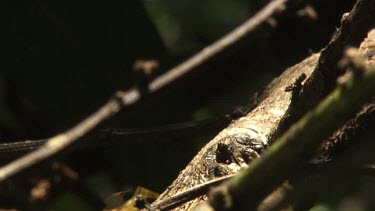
<point x="244" y="139"/>
<point x="247" y="137"/>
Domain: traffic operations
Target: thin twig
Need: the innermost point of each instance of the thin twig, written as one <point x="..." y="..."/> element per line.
<point x="63" y="140"/>
<point x="228" y="40"/>
<point x="107" y="136"/>
<point x="181" y="198"/>
<point x="123" y="99"/>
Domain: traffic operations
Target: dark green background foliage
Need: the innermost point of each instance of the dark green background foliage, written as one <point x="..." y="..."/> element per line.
<point x="61" y="60"/>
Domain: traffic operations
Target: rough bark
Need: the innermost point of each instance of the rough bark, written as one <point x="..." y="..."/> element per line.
<point x="247" y="137"/>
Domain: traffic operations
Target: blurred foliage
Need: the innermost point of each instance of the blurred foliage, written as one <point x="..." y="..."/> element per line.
<point x="69" y="201"/>
<point x="62" y="59"/>
<point x="356" y="195"/>
<point x="187" y="25"/>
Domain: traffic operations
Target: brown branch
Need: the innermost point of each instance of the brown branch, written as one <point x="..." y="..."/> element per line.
<point x="110" y="136"/>
<point x="252" y="131"/>
<point x="61" y="141"/>
<point x="296" y="146"/>
<point x="248" y="136"/>
<point x="228" y="40"/>
<point x="350" y="135"/>
<point x="181" y="198"/>
<point x="123" y="99"/>
<point x="354" y="27"/>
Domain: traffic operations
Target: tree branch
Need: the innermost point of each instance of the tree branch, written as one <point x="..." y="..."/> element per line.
<point x="130" y="97"/>
<point x="227" y="41"/>
<point x="63" y="140"/>
<point x="354" y="27"/>
<point x="247" y="137"/>
<point x="295" y="146"/>
<point x="299" y="188"/>
<point x="109" y="136"/>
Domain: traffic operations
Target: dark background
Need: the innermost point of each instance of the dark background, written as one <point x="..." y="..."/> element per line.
<point x="61" y="60"/>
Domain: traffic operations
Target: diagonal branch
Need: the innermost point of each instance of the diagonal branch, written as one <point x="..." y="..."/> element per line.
<point x="130" y="97"/>
<point x="61" y="141"/>
<point x="222" y="44"/>
<point x="296" y="145"/>
<point x="247" y="137"/>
